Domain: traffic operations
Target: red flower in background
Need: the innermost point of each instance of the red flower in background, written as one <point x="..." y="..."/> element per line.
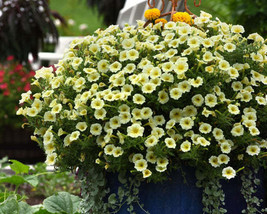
<point x="14" y="78"/>
<point x="6" y="93"/>
<point x="21" y="73"/>
<point x="27" y="87"/>
<point x="10" y="58"/>
<point x="23" y="79"/>
<point x="3" y="86"/>
<point x="18" y="67"/>
<point x="2" y="73"/>
<point x="31" y="74"/>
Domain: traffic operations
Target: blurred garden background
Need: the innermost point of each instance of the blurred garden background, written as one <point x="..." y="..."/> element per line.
<point x="232" y="11"/>
<point x="24" y="33"/>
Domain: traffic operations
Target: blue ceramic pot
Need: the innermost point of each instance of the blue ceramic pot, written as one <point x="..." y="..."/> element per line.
<point x="176" y="197"/>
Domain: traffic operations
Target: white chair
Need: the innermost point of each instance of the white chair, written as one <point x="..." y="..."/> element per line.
<point x="63" y="44"/>
<point x="53" y="57"/>
<point x="134" y="10"/>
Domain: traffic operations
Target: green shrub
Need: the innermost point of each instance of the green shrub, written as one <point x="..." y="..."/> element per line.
<point x="24" y="26"/>
<point x="251" y="14"/>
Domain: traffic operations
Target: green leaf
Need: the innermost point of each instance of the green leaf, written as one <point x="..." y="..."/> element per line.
<point x="14" y="179"/>
<point x="42" y="211"/>
<point x="9" y="206"/>
<point x="25" y="208"/>
<point x="120" y="193"/>
<point x="39" y="209"/>
<point x="62" y="202"/>
<point x="135" y="191"/>
<point x="216" y="194"/>
<point x="200" y="175"/>
<point x="207" y="191"/>
<point x="94" y="191"/>
<point x="19" y="167"/>
<point x="112" y="199"/>
<point x="5" y="195"/>
<point x="121" y="178"/>
<point x="32" y="180"/>
<point x="4" y="162"/>
<point x="18" y="180"/>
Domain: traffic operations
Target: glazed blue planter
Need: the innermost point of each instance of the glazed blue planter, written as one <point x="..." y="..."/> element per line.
<point x="176" y="197"/>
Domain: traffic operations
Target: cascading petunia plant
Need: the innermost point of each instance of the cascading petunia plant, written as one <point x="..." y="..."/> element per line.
<point x="144" y="100"/>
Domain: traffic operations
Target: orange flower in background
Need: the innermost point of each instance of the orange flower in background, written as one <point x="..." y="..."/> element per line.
<point x="183" y="17"/>
<point x="161" y="20"/>
<point x="152" y="14"/>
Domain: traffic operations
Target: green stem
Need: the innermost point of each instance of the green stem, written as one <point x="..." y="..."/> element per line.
<point x="5" y="194"/>
<point x="142" y="207"/>
<point x="119" y="207"/>
<point x="43" y="173"/>
<point x="240" y="169"/>
<point x="106" y="105"/>
<point x="16" y="189"/>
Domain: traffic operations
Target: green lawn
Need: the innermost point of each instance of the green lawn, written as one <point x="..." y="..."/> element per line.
<point x="80" y="13"/>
